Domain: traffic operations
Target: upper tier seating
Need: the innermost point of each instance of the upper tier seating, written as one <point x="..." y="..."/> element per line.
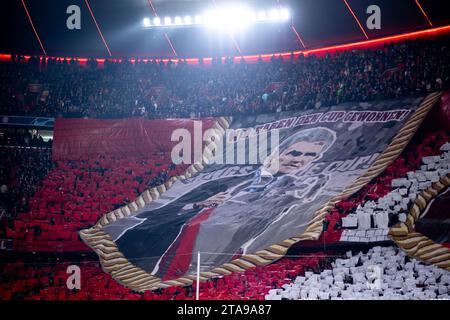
<point x="121" y="90"/>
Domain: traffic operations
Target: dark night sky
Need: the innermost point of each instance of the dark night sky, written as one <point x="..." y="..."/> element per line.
<point x="319" y="23"/>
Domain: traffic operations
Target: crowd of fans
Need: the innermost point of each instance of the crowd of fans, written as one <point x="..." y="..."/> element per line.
<point x="21" y="171"/>
<point x="47" y="281"/>
<point x="381" y="273"/>
<point x="25" y="159"/>
<point x="44" y="203"/>
<point x="154" y="89"/>
<point x="39" y="195"/>
<point x="67" y="196"/>
<point x="425" y="144"/>
<point x="23" y="138"/>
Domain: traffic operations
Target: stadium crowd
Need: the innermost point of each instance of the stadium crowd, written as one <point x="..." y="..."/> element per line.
<point x="157" y="90"/>
<point x="45" y="279"/>
<point x="44" y="203"/>
<point x="21" y="171"/>
<point x="381" y="273"/>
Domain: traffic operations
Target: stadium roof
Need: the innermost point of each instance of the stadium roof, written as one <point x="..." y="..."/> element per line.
<point x="114" y="27"/>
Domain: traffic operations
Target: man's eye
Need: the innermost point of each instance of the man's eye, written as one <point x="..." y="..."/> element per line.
<point x="295" y="153"/>
<point x="310" y="154"/>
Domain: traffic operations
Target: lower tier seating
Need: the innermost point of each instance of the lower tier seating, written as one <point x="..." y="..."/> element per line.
<point x="382" y="273"/>
<point x="75" y="194"/>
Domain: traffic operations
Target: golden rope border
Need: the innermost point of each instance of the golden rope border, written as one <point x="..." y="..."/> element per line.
<point x="415" y="244"/>
<point x="131" y="276"/>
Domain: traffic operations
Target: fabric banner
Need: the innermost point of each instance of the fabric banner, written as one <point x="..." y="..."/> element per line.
<point x="88" y="138"/>
<point x="434" y="222"/>
<point x="226" y="211"/>
<point x="424" y="235"/>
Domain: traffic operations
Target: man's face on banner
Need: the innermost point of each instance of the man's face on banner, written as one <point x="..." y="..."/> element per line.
<point x="299" y="155"/>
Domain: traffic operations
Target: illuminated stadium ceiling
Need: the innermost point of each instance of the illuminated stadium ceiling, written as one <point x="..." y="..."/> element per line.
<point x="115" y="27"/>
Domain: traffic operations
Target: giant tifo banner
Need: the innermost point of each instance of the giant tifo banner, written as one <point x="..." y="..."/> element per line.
<point x="243" y="215"/>
<point x="425" y="235"/>
<point x="434" y="221"/>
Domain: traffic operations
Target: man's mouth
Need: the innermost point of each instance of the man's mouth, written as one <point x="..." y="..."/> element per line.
<point x="295" y="164"/>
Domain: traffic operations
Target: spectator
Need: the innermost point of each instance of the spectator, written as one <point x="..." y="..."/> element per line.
<point x="151" y="89"/>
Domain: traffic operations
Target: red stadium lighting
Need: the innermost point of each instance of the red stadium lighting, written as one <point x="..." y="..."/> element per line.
<point x="98" y="27"/>
<point x="424" y="13"/>
<point x="356" y="19"/>
<point x="318" y="51"/>
<point x="374" y="42"/>
<point x="33" y="27"/>
<point x="5" y="57"/>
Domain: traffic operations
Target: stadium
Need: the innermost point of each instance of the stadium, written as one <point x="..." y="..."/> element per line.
<point x="224" y="150"/>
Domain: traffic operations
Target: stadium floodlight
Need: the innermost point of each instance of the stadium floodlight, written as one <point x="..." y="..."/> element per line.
<point x="262" y="16"/>
<point x="229" y="18"/>
<point x="226" y="18"/>
<point x="241" y="17"/>
<point x="251" y="16"/>
<point x="285" y="14"/>
<point x="146" y="23"/>
<point x="178" y="21"/>
<point x="198" y="19"/>
<point x="211" y="18"/>
<point x="274" y="14"/>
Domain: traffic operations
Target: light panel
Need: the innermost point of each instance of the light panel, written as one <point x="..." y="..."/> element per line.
<point x="146" y="23"/>
<point x="427" y="33"/>
<point x="262" y="16"/>
<point x="178" y="21"/>
<point x="226" y="17"/>
<point x="198" y="19"/>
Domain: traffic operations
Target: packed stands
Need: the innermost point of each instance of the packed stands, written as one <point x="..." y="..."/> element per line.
<point x="381" y="273"/>
<point x="378" y="215"/>
<point x="23" y="138"/>
<point x="53" y="200"/>
<point x="45" y="203"/>
<point x="46" y="279"/>
<point x="75" y="194"/>
<point x="336" y="227"/>
<point x="158" y="90"/>
<point x="21" y="172"/>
